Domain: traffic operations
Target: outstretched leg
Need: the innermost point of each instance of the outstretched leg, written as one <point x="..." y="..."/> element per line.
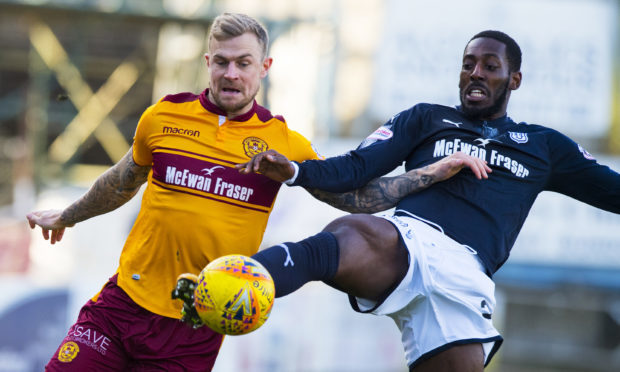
<point x="359" y="254"/>
<point x="372" y="258"/>
<point x="364" y="256"/>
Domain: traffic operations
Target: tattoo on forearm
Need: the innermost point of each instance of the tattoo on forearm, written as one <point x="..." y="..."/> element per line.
<point x="379" y="194"/>
<point x="111" y="190"/>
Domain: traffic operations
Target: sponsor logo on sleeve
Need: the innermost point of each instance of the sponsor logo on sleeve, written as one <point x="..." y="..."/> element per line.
<point x="381" y="134"/>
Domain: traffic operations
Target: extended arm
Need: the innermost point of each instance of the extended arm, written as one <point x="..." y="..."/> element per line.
<point x="577" y="174"/>
<point x="111" y="190"/>
<point x="384" y="193"/>
<point x="378" y="194"/>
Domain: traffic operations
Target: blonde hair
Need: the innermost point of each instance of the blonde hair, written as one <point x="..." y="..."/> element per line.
<point x="229" y="25"/>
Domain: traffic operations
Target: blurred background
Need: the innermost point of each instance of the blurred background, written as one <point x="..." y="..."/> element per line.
<point x="75" y="75"/>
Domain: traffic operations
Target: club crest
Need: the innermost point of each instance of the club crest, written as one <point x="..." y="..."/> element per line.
<point x="254" y="145"/>
<point x="68" y="352"/>
<point x="518" y="137"/>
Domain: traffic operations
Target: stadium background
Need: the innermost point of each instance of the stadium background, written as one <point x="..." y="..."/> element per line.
<point x="76" y="74"/>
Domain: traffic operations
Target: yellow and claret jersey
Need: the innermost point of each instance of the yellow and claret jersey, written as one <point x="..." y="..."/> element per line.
<point x="196" y="205"/>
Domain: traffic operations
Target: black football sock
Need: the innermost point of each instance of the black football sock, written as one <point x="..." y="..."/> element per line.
<point x="292" y="265"/>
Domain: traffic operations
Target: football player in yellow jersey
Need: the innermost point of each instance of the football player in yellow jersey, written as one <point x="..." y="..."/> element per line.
<point x="196" y="207"/>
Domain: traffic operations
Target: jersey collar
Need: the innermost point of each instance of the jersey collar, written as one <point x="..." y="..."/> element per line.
<point x="213" y="108"/>
<point x="499" y="121"/>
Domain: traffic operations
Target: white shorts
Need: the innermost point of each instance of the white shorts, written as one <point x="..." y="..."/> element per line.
<point x="445" y="299"/>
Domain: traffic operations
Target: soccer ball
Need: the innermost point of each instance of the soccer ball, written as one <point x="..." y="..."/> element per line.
<point x="234" y="295"/>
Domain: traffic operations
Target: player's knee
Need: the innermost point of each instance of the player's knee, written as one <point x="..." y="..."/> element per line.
<point x="365" y="233"/>
<point x="371" y="258"/>
<point x="349" y="232"/>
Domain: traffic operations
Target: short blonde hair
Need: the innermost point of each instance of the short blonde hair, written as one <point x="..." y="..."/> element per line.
<point x="229" y="25"/>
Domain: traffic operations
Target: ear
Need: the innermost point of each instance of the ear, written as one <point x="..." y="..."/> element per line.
<point x="266" y="66"/>
<point x="207" y="58"/>
<point x="515" y="80"/>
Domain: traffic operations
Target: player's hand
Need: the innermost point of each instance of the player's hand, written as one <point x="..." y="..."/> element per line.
<point x="451" y="165"/>
<point x="269" y="163"/>
<point x="51" y="223"/>
<point x="184" y="290"/>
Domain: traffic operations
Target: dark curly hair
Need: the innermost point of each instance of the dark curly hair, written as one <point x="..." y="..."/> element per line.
<point x="513" y="51"/>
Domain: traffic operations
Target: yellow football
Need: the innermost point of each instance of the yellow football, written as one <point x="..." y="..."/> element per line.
<point x="234" y="295"/>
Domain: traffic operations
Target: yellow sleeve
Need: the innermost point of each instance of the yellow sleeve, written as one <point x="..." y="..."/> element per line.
<point x="301" y="148"/>
<point x="142" y="152"/>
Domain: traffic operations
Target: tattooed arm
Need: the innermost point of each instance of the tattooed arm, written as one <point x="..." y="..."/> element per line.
<point x="378" y="195"/>
<point x="385" y="192"/>
<point x="111" y="190"/>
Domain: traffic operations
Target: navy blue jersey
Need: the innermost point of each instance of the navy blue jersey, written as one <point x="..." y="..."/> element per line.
<point x="487" y="214"/>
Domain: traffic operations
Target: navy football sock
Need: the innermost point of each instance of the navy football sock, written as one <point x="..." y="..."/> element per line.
<point x="292" y="265"/>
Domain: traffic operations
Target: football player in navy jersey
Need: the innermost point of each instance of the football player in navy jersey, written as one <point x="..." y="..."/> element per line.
<point x="429" y="265"/>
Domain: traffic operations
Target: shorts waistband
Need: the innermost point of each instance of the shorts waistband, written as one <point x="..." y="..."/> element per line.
<point x="404" y="213"/>
<point x="435" y="226"/>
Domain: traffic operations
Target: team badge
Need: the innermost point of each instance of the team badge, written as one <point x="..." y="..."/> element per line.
<point x="68" y="352"/>
<point x="586" y="154"/>
<point x="254" y="146"/>
<point x="518" y="137"/>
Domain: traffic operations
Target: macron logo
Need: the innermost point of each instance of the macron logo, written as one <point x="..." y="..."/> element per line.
<point x="181" y="131"/>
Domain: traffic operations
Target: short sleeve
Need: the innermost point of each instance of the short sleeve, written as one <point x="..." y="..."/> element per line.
<point x="142" y="153"/>
<point x="301" y="148"/>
